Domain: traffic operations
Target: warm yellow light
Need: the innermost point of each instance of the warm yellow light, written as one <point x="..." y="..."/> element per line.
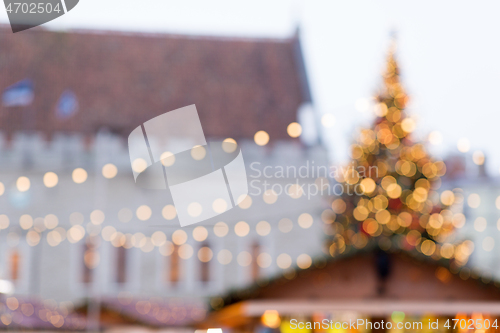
<point x="242" y="228"/>
<point x="428" y="247"/>
<point x="408" y="125"/>
<point x="478" y="157"/>
<point x="51" y="221"/>
<point x="168" y="212"/>
<point x="97" y="217"/>
<point x="264" y="260"/>
<point x="219" y="205"/>
<point x="380" y="109"/>
<point x="284" y="261"/>
<point x="368" y="185"/>
<point x="50" y="179"/>
<point x="198" y="153"/>
<point x="263" y="228"/>
<point x="200" y="234"/>
<point x="459" y="220"/>
<point x="179" y="237"/>
<point x="447" y="198"/>
<point x="294" y="130"/>
<point x="109" y="170"/>
<point x="394" y="191"/>
<point x="32" y="238"/>
<point x="339" y="206"/>
<point x="205" y="254"/>
<point x="261" y="138"/>
<point x="304" y="261"/>
<point x="139" y="165"/>
<point x="143" y="213"/>
<point x="194" y="209"/>
<point x="167" y="158"/>
<point x="305" y="220"/>
<point x="26" y="222"/>
<point x="79" y="175"/>
<point x="23" y="184"/>
<point x="221" y="229"/>
<point x="158" y="238"/>
<point x="229" y="145"/>
<point x="271" y="318"/>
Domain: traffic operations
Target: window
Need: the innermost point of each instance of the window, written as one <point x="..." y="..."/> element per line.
<point x="174" y="271"/>
<point x="204" y="256"/>
<point x="14" y="265"/>
<point x="121" y="264"/>
<point x="255" y="267"/>
<point x="90" y="260"/>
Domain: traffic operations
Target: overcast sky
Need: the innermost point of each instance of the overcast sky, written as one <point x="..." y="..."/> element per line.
<point x="449" y="52"/>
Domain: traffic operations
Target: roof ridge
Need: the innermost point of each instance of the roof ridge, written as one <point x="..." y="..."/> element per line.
<point x="160" y="34"/>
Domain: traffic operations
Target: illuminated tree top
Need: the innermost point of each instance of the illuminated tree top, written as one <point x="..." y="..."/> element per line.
<point x="391" y="186"/>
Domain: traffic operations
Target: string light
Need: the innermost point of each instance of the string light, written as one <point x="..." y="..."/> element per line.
<point x="143" y="212"/>
<point x="168" y="212"/>
<point x="264" y="260"/>
<point x="139" y="165"/>
<point x="229" y="145"/>
<point x="198" y="153"/>
<point x="200" y="233"/>
<point x="23" y="184"/>
<point x="167" y="158"/>
<point x="241" y="229"/>
<point x="185" y="251"/>
<point x="219" y="205"/>
<point x="50" y="179"/>
<point x="221" y="229"/>
<point x="294" y="130"/>
<point x="79" y="175"/>
<point x="284" y="261"/>
<point x="244" y="201"/>
<point x="261" y="138"/>
<point x="109" y="171"/>
<point x="263" y="228"/>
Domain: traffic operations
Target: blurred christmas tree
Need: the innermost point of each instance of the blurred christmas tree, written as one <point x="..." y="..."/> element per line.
<point x="390" y="190"/>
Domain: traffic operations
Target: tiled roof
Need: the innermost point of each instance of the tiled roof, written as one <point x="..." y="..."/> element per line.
<point x="255" y="290"/>
<point x="239" y="86"/>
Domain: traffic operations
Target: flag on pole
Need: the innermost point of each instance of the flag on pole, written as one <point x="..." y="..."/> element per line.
<point x="67" y="105"/>
<point x="19" y="94"/>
